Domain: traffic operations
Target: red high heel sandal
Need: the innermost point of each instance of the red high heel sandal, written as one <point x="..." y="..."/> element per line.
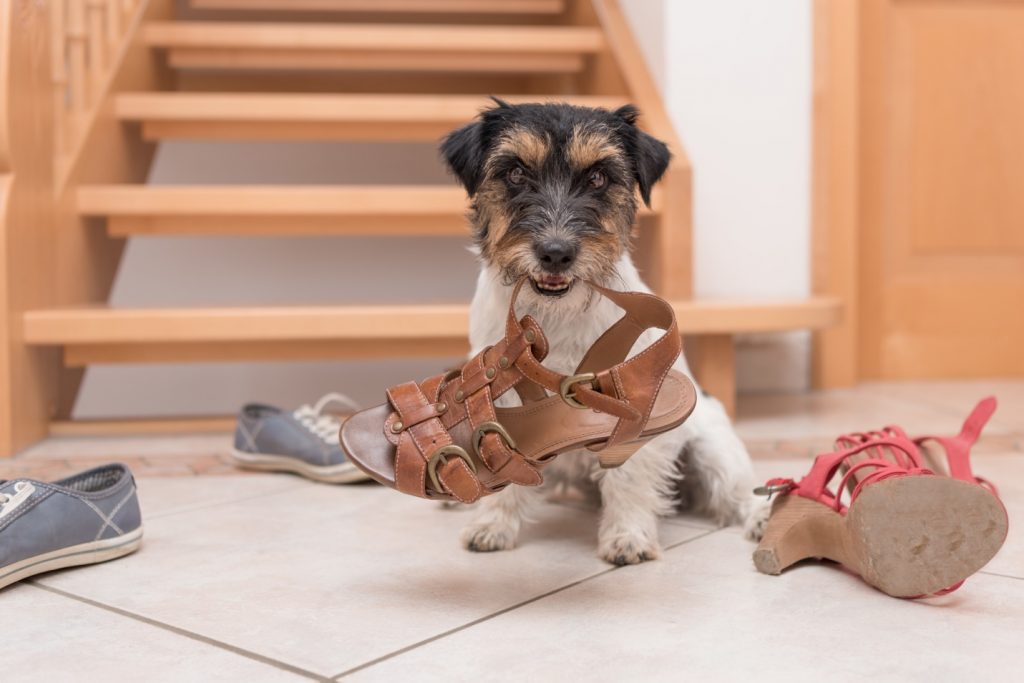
<point x="906" y="530"/>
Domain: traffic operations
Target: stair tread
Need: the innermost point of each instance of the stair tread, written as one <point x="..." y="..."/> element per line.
<point x="323" y="107"/>
<point x="101" y="324"/>
<point x="389" y="6"/>
<point x="312" y="200"/>
<point x="374" y="37"/>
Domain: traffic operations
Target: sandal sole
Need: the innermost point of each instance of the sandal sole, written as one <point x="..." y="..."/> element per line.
<point x="907" y="536"/>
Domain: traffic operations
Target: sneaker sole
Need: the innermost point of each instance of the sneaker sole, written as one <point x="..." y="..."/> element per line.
<point x="72" y="556"/>
<point x="345" y="473"/>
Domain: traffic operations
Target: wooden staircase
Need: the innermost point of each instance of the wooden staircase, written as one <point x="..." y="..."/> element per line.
<point x="78" y="125"/>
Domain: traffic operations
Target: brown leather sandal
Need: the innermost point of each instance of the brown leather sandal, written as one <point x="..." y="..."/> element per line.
<point x="444" y="438"/>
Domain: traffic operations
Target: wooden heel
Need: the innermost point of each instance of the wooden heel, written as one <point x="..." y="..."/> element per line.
<point x="614" y="456"/>
<point x="799" y="529"/>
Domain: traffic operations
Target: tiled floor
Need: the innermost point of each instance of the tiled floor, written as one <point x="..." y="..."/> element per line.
<point x="262" y="577"/>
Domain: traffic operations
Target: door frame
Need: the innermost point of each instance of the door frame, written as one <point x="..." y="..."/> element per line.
<point x="835" y="190"/>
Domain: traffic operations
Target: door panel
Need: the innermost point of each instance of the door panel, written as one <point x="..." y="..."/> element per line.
<point x="942" y="188"/>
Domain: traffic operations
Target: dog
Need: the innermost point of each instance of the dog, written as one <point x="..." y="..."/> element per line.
<point x="553" y="191"/>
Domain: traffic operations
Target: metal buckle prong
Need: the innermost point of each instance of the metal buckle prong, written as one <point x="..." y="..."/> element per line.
<point x="564" y="389"/>
<point x="485" y="428"/>
<point x="439" y="457"/>
<point x="771" y="490"/>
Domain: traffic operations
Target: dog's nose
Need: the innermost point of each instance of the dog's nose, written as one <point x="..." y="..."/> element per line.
<point x="555" y="255"/>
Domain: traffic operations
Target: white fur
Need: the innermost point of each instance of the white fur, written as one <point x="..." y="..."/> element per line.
<point x="634" y="495"/>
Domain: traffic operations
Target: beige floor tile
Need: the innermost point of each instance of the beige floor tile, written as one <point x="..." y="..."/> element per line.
<point x="826" y="415"/>
<point x="705" y="614"/>
<point x="326" y="578"/>
<point x="114" y="447"/>
<point x="52" y="638"/>
<point x="1007" y="473"/>
<point x="960" y="396"/>
<point x="160" y="496"/>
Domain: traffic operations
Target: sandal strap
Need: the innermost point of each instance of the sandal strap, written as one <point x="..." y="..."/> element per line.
<point x="958" y="448"/>
<point x="421" y="442"/>
<point x="605" y="380"/>
<point x="427" y="411"/>
<point x="815" y="485"/>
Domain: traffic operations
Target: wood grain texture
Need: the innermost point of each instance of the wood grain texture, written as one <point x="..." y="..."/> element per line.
<point x="941" y="252"/>
<point x="28" y="376"/>
<point x="712" y="358"/>
<point x="100" y="324"/>
<point x="312" y="116"/>
<point x="441" y="7"/>
<point x="474" y="40"/>
<point x="835" y="208"/>
<point x="392" y="210"/>
<point x="374" y="47"/>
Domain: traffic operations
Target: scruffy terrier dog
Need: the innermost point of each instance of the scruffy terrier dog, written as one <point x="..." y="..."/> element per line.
<point x="554" y="197"/>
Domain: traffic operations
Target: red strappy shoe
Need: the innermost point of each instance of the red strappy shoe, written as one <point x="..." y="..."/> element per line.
<point x="905" y="530"/>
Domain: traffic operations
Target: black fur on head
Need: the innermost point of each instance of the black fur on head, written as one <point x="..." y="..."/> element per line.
<point x="554" y="187"/>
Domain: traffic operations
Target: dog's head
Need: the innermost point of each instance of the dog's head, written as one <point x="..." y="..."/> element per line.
<point x="554" y="188"/>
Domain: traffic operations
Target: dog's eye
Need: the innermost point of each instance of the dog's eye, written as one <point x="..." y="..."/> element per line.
<point x="597" y="180"/>
<point x="517" y="176"/>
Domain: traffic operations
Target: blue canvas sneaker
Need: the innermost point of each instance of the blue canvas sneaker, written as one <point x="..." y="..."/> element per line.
<point x="86" y="518"/>
<point x="304" y="441"/>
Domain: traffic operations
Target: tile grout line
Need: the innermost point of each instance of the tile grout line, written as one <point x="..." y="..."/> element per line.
<point x="183" y="632"/>
<point x="505" y="610"/>
<point x="1002" y="576"/>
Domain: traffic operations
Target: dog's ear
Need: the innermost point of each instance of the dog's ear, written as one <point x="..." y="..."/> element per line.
<point x="463" y="151"/>
<point x="650" y="156"/>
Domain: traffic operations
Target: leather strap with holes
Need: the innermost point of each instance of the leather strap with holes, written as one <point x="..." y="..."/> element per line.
<point x="447" y="436"/>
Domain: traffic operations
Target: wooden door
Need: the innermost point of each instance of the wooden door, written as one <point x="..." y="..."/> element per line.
<point x="939" y="198"/>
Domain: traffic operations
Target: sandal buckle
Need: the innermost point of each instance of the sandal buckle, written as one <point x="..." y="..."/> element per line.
<point x="771" y="489"/>
<point x="440" y="457"/>
<point x="569" y="396"/>
<point x="490" y="427"/>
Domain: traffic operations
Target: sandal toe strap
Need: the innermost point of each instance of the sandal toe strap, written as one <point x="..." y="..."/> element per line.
<point x="605" y="379"/>
<point x="425" y="451"/>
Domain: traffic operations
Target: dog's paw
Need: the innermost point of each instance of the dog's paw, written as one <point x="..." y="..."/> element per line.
<point x="623" y="550"/>
<point x="487" y="538"/>
<point x="757" y="519"/>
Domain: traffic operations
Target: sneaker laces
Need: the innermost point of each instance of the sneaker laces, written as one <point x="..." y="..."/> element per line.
<point x="324" y="425"/>
<point x="22" y="490"/>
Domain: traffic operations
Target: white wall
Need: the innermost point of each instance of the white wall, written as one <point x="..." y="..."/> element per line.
<point x="736" y="75"/>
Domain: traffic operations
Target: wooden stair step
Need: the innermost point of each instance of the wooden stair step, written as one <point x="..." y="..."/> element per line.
<point x="99" y="334"/>
<point x="375" y="47"/>
<point x="313" y="116"/>
<point x="439" y="7"/>
<point x="279" y="209"/>
<point x="276" y="209"/>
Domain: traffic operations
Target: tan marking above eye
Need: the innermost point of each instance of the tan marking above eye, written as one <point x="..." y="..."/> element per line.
<point x="531" y="148"/>
<point x="587" y="147"/>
